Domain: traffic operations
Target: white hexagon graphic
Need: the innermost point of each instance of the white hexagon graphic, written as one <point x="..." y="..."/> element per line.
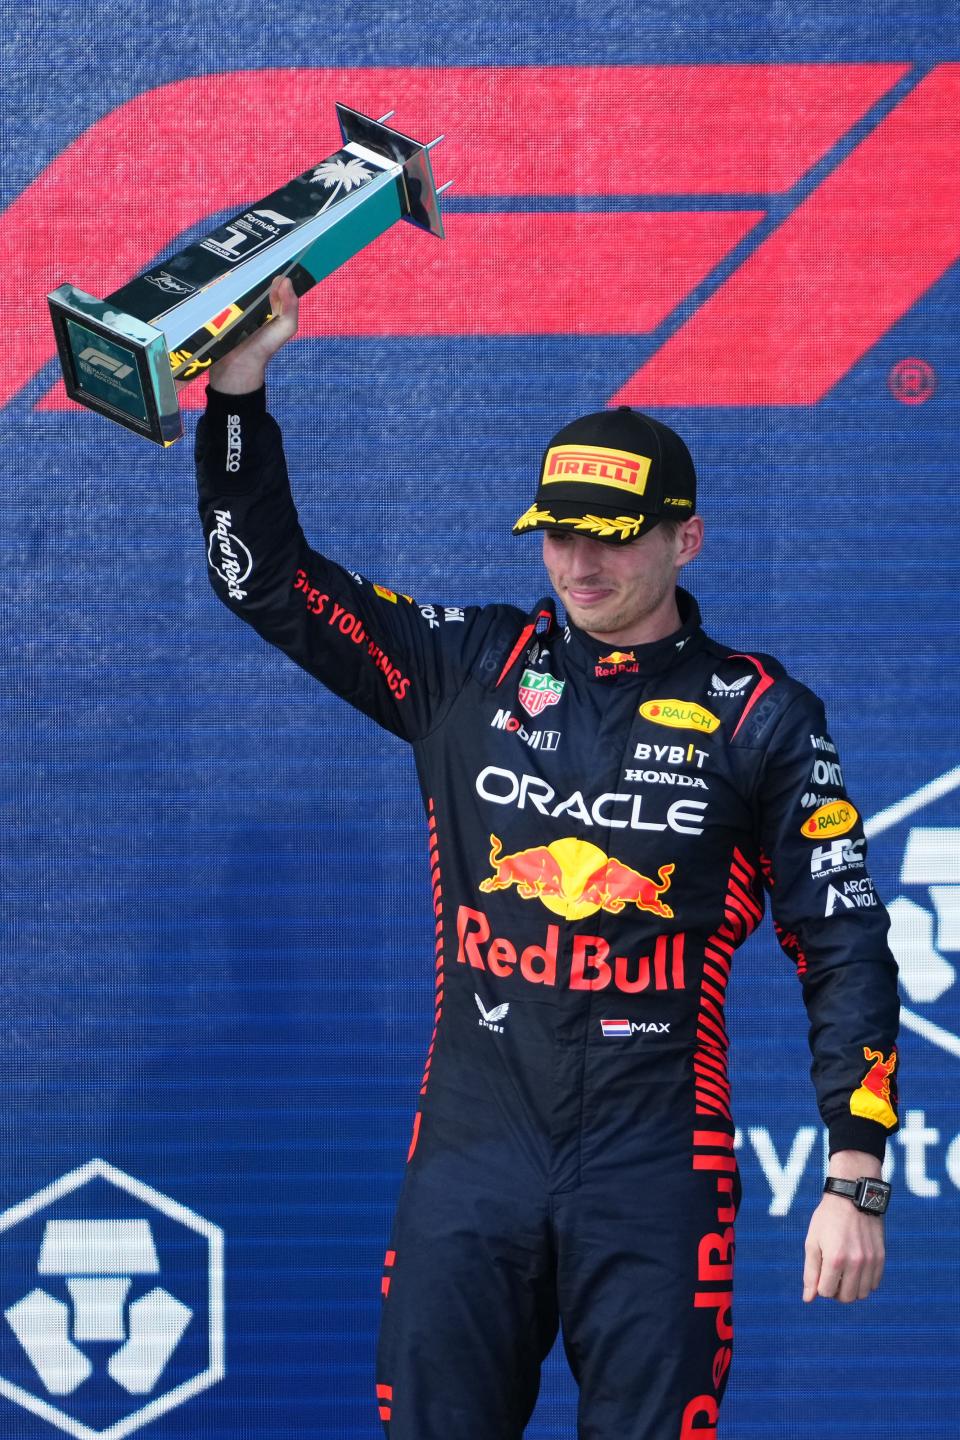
<point x="920" y="936"/>
<point x="98" y="1260"/>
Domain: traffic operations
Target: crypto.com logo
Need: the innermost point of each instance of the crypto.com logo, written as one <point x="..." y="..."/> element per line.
<point x="756" y="228"/>
<point x="91" y="1326"/>
<point x="925" y="914"/>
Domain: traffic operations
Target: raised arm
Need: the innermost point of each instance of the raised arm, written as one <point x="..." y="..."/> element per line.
<point x="399" y="662"/>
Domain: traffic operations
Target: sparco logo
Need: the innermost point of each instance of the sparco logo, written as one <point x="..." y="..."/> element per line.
<point x="234" y="444"/>
<point x="228" y="557"/>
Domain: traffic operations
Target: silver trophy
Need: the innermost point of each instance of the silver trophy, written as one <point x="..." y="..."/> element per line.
<point x="125" y="356"/>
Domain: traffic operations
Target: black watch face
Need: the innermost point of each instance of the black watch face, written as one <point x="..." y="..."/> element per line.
<point x="875" y="1197"/>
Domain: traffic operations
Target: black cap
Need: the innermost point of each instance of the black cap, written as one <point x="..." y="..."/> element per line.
<point x="613" y="476"/>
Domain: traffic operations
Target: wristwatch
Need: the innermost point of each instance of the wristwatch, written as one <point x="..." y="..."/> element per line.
<point x="873" y="1196"/>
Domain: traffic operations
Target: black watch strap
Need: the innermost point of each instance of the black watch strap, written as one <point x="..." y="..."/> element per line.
<point x="871" y="1196"/>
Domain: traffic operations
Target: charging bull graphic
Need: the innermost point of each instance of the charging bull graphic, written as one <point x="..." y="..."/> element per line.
<point x="575" y="879"/>
<point x="535" y="872"/>
<point x="617" y="885"/>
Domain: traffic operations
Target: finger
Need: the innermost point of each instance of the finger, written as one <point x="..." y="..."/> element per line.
<point x="283" y="298"/>
<point x="876" y="1269"/>
<point x="811" y="1270"/>
<point x="278" y="292"/>
<point x="830" y="1279"/>
<point x="850" y="1281"/>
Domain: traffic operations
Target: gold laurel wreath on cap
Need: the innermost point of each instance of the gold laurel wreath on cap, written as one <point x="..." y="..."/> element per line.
<point x="625" y="526"/>
<point x="534" y="517"/>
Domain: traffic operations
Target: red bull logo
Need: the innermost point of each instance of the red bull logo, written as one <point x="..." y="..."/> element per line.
<point x="872" y="1098"/>
<point x="592" y="967"/>
<point x="615" y="885"/>
<point x="535" y="872"/>
<point x="575" y="879"/>
<point x="618" y="662"/>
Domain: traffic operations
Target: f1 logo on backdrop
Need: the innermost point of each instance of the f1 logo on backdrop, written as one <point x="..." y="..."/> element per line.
<point x="757" y="228"/>
<point x="112" y="1302"/>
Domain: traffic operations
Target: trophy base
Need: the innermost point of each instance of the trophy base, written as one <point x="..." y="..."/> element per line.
<point x="115" y="364"/>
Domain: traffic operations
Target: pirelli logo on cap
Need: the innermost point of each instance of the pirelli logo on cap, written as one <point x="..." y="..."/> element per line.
<point x="596" y="465"/>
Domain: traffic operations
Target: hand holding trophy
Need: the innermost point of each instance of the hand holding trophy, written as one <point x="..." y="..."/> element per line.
<point x="125" y="356"/>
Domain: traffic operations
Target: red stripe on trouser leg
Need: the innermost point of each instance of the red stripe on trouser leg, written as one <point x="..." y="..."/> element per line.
<point x="415" y="1138"/>
<point x="388" y="1261"/>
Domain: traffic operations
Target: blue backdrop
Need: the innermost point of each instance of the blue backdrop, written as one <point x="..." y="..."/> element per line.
<point x="216" y="925"/>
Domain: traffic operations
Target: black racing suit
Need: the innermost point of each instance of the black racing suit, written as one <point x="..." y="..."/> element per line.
<point x="603" y="826"/>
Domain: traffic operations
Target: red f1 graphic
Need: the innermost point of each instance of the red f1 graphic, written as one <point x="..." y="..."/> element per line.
<point x="713" y="210"/>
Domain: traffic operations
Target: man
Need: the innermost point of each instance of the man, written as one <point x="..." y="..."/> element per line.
<point x="606" y="805"/>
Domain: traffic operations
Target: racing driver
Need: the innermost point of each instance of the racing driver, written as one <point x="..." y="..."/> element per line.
<point x="608" y="803"/>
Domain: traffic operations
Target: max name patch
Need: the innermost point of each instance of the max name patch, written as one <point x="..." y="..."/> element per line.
<point x="681" y="715"/>
<point x="596" y="465"/>
<point x="834" y="819"/>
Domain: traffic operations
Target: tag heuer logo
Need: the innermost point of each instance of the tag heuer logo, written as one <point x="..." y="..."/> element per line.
<point x="536" y="692"/>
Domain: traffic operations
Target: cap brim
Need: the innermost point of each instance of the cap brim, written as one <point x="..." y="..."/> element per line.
<point x="599" y="522"/>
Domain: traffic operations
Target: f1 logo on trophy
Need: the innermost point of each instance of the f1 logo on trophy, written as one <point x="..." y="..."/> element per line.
<point x="124" y="356"/>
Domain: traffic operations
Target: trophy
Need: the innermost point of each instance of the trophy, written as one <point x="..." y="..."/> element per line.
<point x="125" y="356"/>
